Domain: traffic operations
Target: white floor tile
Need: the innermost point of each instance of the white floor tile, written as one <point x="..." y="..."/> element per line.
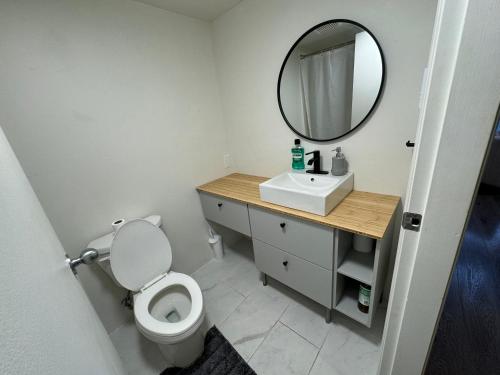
<point x="216" y="271"/>
<point x="275" y="288"/>
<point x="307" y="318"/>
<point x="220" y="301"/>
<point x="248" y="325"/>
<point x="237" y="269"/>
<point x="283" y="352"/>
<point x="245" y="278"/>
<point x="346" y="352"/>
<point x="139" y="355"/>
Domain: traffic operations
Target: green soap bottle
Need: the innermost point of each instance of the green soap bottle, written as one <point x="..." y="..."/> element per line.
<point x="298" y="156"/>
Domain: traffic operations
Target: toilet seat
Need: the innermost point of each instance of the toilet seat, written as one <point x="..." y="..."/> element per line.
<point x="140" y="252"/>
<point x="140" y="258"/>
<point x="161" y="331"/>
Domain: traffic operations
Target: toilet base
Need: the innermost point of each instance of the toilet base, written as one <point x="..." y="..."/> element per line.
<point x="184" y="353"/>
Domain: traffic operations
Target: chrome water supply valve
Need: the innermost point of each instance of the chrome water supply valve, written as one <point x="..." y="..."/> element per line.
<point x="87" y="256"/>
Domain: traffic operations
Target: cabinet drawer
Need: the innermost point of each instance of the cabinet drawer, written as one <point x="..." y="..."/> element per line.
<point x="309" y="279"/>
<point x="306" y="240"/>
<point x="226" y="212"/>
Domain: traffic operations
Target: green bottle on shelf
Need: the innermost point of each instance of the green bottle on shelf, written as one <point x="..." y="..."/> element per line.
<point x="298" y="156"/>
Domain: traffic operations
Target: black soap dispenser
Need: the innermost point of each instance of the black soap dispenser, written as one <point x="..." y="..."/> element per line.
<point x="339" y="163"/>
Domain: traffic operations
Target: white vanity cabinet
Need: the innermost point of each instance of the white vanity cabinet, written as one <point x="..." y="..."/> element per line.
<point x="309" y="253"/>
<point x="294" y="252"/>
<point x="305" y="240"/>
<point x="319" y="261"/>
<point x="226" y="212"/>
<point x="305" y="277"/>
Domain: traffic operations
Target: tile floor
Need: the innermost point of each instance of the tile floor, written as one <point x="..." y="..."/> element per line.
<point x="274" y="328"/>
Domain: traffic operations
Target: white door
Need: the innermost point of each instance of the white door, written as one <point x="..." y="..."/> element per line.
<point x="47" y="325"/>
<point x="457" y="117"/>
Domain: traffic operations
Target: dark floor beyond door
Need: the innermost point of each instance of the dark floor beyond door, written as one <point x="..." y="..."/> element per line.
<point x="468" y="336"/>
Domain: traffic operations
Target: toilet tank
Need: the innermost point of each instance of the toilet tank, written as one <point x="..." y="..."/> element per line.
<point x="103" y="246"/>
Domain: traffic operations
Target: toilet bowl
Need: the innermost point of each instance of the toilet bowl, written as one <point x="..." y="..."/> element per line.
<point x="168" y="306"/>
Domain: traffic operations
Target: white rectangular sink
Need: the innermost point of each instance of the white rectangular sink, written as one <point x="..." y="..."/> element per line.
<point x="317" y="194"/>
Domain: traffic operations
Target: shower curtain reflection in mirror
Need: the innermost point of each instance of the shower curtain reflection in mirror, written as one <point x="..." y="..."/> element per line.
<point x="326" y="87"/>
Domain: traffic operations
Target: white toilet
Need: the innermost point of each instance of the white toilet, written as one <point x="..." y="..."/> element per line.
<point x="168" y="306"/>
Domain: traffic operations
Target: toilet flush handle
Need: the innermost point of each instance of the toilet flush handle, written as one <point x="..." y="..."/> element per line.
<point x="87" y="256"/>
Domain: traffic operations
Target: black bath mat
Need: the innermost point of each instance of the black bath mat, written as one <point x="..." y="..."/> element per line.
<point x="218" y="358"/>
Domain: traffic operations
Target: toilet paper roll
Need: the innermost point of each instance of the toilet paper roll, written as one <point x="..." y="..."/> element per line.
<point x="363" y="244"/>
<point x="117" y="224"/>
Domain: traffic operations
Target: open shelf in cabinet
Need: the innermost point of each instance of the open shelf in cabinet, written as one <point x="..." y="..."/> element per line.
<point x="347" y="304"/>
<point x="358" y="266"/>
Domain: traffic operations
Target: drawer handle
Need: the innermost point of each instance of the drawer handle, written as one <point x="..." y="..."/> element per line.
<point x="219" y="204"/>
<point x="282" y="225"/>
<point x="285" y="263"/>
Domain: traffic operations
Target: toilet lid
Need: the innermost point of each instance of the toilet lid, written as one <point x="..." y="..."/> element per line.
<point x="140" y="252"/>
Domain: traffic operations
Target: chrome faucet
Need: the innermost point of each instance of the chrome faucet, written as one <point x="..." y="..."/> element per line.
<point x="316" y="163"/>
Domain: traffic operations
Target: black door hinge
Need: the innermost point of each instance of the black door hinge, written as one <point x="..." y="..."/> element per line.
<point x="411" y="221"/>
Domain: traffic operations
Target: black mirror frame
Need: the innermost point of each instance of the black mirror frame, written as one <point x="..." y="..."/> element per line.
<point x="377" y="99"/>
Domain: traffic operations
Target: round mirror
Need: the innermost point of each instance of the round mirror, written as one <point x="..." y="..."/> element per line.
<point x="331" y="80"/>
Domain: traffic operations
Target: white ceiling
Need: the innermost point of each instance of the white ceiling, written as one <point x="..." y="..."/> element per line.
<point x="328" y="36"/>
<point x="207" y="10"/>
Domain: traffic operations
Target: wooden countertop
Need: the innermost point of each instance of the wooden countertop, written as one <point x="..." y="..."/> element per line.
<point x="360" y="212"/>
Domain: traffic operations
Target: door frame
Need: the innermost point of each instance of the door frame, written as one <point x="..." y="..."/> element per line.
<point x="459" y="106"/>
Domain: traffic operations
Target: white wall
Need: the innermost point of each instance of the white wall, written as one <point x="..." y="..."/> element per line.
<point x="48" y="325"/>
<point x="251" y="41"/>
<point x="112" y="108"/>
<point x="366" y="78"/>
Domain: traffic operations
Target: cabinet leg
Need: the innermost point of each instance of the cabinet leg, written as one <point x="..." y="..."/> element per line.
<point x="264" y="279"/>
<point x="328" y="315"/>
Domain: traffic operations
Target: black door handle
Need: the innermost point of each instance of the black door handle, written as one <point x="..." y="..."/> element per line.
<point x="219" y="205"/>
<point x="285" y="263"/>
<point x="282" y="225"/>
